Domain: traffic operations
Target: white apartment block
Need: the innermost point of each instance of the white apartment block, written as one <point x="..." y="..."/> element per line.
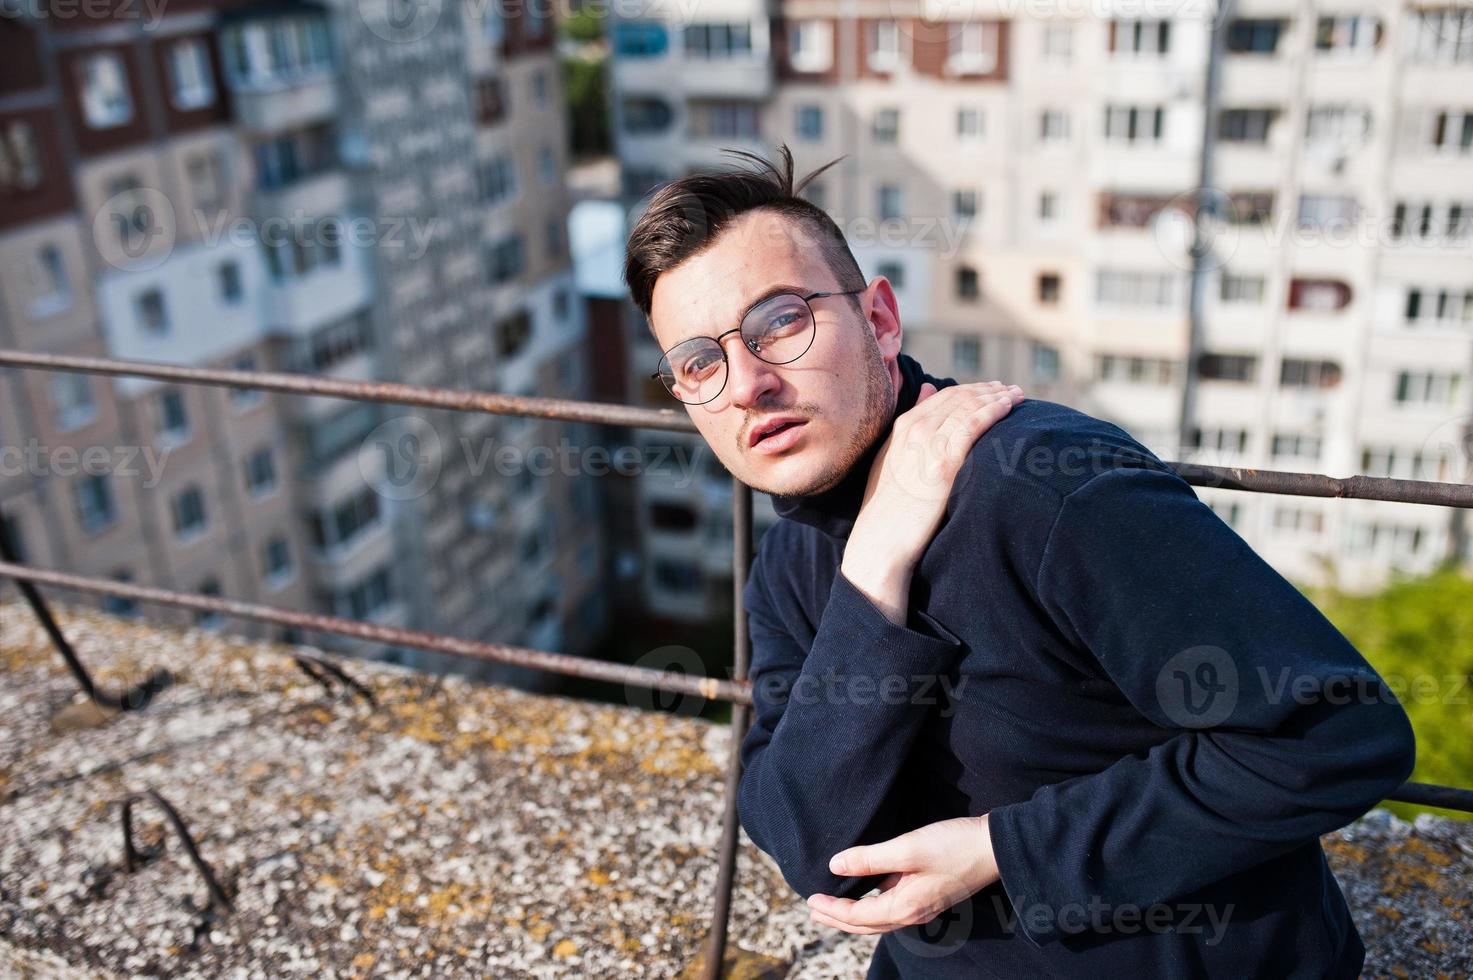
<point x="1024" y="182"/>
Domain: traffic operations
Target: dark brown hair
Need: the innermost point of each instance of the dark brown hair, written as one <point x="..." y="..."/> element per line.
<point x="686" y="216"/>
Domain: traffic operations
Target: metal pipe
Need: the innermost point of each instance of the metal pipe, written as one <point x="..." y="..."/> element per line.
<point x="1226" y="477"/>
<point x="741" y="544"/>
<point x="711" y="688"/>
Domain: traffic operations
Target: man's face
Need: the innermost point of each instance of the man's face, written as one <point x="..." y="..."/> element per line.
<point x="841" y="391"/>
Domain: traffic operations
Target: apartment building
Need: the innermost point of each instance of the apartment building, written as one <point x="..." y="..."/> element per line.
<point x="340" y="190"/>
<point x="1026" y="184"/>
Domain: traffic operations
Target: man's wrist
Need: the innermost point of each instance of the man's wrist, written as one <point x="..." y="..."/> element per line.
<point x="883" y="581"/>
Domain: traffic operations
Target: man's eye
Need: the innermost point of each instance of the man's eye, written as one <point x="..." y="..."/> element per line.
<point x="783" y="323"/>
<point x="700" y="367"/>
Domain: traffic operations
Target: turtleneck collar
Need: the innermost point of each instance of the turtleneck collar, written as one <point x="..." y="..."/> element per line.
<point x="833" y="511"/>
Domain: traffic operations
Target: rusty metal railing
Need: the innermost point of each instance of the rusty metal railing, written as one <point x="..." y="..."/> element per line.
<point x="736" y="691"/>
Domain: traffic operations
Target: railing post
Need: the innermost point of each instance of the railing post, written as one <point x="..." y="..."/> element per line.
<point x="741" y="560"/>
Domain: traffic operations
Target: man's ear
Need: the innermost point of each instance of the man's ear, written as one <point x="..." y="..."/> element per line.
<point x="884" y="317"/>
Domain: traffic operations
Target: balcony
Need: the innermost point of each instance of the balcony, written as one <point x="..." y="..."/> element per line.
<point x="273" y="108"/>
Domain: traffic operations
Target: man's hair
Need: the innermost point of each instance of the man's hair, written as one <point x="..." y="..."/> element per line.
<point x="686" y="216"/>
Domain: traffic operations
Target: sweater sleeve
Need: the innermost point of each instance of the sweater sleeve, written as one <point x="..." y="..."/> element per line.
<point x="1275" y="729"/>
<point x="833" y="723"/>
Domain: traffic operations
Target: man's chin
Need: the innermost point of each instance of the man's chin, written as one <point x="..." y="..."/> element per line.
<point x="792" y="477"/>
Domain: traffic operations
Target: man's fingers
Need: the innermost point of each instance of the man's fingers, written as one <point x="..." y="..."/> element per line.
<point x="886" y="911"/>
<point x="895" y="854"/>
<point x="829" y="920"/>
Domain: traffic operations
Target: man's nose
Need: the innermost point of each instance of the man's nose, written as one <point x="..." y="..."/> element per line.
<point x="749" y="378"/>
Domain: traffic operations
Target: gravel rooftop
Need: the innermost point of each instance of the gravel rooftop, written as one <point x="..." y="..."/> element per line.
<point x="459" y="829"/>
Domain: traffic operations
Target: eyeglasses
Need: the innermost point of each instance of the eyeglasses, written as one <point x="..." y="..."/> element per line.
<point x="777" y="330"/>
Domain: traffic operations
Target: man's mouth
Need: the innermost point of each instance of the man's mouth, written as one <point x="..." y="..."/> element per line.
<point x="776" y="433"/>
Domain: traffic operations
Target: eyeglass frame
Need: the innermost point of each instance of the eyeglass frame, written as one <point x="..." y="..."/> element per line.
<point x="726" y="360"/>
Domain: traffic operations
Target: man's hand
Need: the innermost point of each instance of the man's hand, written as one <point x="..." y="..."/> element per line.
<point x="909" y="483"/>
<point x="930" y="870"/>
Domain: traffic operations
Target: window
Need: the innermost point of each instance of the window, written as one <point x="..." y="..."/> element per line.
<point x="885" y="127"/>
<point x="497" y="179"/>
<point x="1130" y="210"/>
<point x="505" y="260"/>
<point x="1319" y="212"/>
<point x="513" y="333"/>
<point x="968" y="284"/>
<point x="718" y="40"/>
<point x="117" y="605"/>
<point x="1430" y="222"/>
<point x="276" y="561"/>
<point x="1129" y="288"/>
<point x="1450" y="132"/>
<point x="1254" y="36"/>
<point x="71" y="398"/>
<point x="1244" y="289"/>
<point x="131" y="213"/>
<point x="1347" y="34"/>
<point x="1250" y="207"/>
<point x="887" y="201"/>
<point x="52" y="290"/>
<point x="1440" y="307"/>
<point x="1134" y="124"/>
<point x="191" y="84"/>
<point x="672" y="517"/>
<point x="1045" y="362"/>
<point x="206" y="184"/>
<point x="646" y="115"/>
<point x="105" y="99"/>
<point x="188" y="508"/>
<point x="632" y="39"/>
<point x="294" y="156"/>
<point x="1297" y="372"/>
<point x="1053" y="126"/>
<point x="811" y="45"/>
<point x="1318" y="295"/>
<point x="173" y="417"/>
<point x="723" y="120"/>
<point x="1058" y="43"/>
<point x="1406" y="463"/>
<point x="970" y="125"/>
<point x="964" y="204"/>
<point x="680" y="577"/>
<point x="1050" y="287"/>
<point x="547" y="165"/>
<point x="204" y="619"/>
<point x="153" y="316"/>
<point x="1219" y="439"/>
<point x="1227" y="367"/>
<point x="552" y="235"/>
<point x="260" y="472"/>
<point x="276" y="50"/>
<point x="893" y="271"/>
<point x="228" y="275"/>
<point x="1441" y="34"/>
<point x="808" y="122"/>
<point x="1245" y="125"/>
<point x="20" y="157"/>
<point x="1140" y="37"/>
<point x="541" y="91"/>
<point x="1427" y="387"/>
<point x="1048" y="206"/>
<point x="340" y="525"/>
<point x="1337" y="126"/>
<point x="966" y="355"/>
<point x="883" y="48"/>
<point x="1135" y="369"/>
<point x="95" y="507"/>
<point x="1298" y="520"/>
<point x="1294" y="445"/>
<point x="971" y="48"/>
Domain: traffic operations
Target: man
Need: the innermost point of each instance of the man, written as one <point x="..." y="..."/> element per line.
<point x="1007" y="668"/>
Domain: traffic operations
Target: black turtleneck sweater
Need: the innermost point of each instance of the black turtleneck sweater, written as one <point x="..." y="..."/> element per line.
<point x="1160" y="725"/>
